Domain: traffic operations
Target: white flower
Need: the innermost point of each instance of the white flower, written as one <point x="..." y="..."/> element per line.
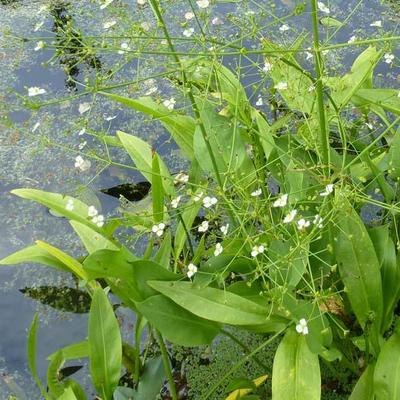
<point x="106" y="4"/>
<point x="40" y="45"/>
<point x="192" y="269"/>
<point x="302" y="224"/>
<point x="256" y="193"/>
<point x="377" y="24"/>
<point x="158" y="229"/>
<point x="82" y="145"/>
<point x="328" y="190"/>
<point x="318" y="221"/>
<point x="281" y="202"/>
<point x="218" y="249"/>
<point x="70" y="205"/>
<point x="141" y="2"/>
<point x="290" y="217"/>
<point x="170" y="103"/>
<point x="257" y="250"/>
<point x="259" y="101"/>
<point x="198" y="197"/>
<point x="82" y="164"/>
<point x="151" y="90"/>
<point x="284" y="28"/>
<point x="98" y="220"/>
<point x="267" y="66"/>
<point x="352" y="39"/>
<point x="38" y="26"/>
<point x="35" y="126"/>
<point x="224" y="229"/>
<point x="124" y="47"/>
<point x="92" y="211"/>
<point x="209" y="201"/>
<point x="110" y="117"/>
<point x="175" y="202"/>
<point x="217" y="21"/>
<point x="388" y="58"/>
<point x="188" y="32"/>
<point x="202" y="3"/>
<point x="311" y="88"/>
<point x="302" y="327"/>
<point x="309" y="55"/>
<point x="281" y="86"/>
<point x="35" y="91"/>
<point x="322" y="7"/>
<point x="145" y="26"/>
<point x="82" y="132"/>
<point x="181" y="178"/>
<point x="109" y="24"/>
<point x="189" y="16"/>
<point x="203" y="227"/>
<point x="84" y="107"/>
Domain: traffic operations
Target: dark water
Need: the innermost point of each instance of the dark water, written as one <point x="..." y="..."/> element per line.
<point x="27" y="160"/>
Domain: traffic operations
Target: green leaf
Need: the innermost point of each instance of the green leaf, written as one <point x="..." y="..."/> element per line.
<point x="176" y="324"/>
<point x="213" y="304"/>
<point x="364" y="389"/>
<point x="386" y="375"/>
<point x="105" y="345"/>
<point x="394" y="157"/>
<point x="36" y="255"/>
<point x="385" y="98"/>
<point x="265" y="133"/>
<point x="73" y="351"/>
<point x="157" y="190"/>
<point x="163" y="255"/>
<point x="68" y="395"/>
<point x="329" y="21"/>
<point x="359" y="268"/>
<point x="142" y="155"/>
<point x="181" y="127"/>
<point x="296" y="373"/>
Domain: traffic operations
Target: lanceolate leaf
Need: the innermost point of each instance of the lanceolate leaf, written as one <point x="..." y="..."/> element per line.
<point x="296" y="374"/>
<point x="364" y="389"/>
<point x="157" y="190"/>
<point x="105" y="346"/>
<point x="179" y="326"/>
<point x="213" y="304"/>
<point x="359" y="268"/>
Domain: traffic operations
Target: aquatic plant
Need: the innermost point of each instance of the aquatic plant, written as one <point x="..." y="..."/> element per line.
<point x="264" y="231"/>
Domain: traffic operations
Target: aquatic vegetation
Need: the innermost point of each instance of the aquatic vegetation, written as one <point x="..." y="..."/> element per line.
<point x="263" y="231"/>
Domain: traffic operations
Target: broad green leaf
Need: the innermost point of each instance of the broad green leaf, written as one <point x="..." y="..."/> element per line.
<point x="329" y="21"/>
<point x="157" y="190"/>
<point x="176" y="324"/>
<point x="181" y="127"/>
<point x="265" y="133"/>
<point x="142" y="155"/>
<point x="364" y="389"/>
<point x="91" y="239"/>
<point x="386" y="375"/>
<point x="105" y="346"/>
<point x="163" y="255"/>
<point x="73" y="351"/>
<point x="213" y="304"/>
<point x="240" y="393"/>
<point x="296" y="373"/>
<point x="68" y="395"/>
<point x="58" y="203"/>
<point x="385" y="98"/>
<point x="36" y="255"/>
<point x="359" y="268"/>
<point x="31" y="353"/>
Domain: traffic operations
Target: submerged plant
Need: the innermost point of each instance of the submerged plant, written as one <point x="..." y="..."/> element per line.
<point x="262" y="232"/>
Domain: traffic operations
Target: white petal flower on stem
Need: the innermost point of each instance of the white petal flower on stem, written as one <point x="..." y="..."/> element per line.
<point x="84" y="107"/>
<point x="92" y="211"/>
<point x="256" y="193"/>
<point x="209" y="201"/>
<point x="40" y="45"/>
<point x="224" y="229"/>
<point x="377" y="24"/>
<point x="170" y="103"/>
<point x="388" y="58"/>
<point x="259" y="101"/>
<point x="106" y="4"/>
<point x="70" y="205"/>
<point x="151" y="90"/>
<point x="192" y="269"/>
<point x="82" y="145"/>
<point x="189" y="15"/>
<point x="217" y="21"/>
<point x="82" y="132"/>
<point x="318" y="221"/>
<point x="323" y="8"/>
<point x="218" y="249"/>
<point x="181" y="178"/>
<point x="352" y="39"/>
<point x="35" y="91"/>
<point x="290" y="217"/>
<point x="109" y="24"/>
<point x="141" y="2"/>
<point x="197" y="197"/>
<point x="188" y="32"/>
<point x="98" y="220"/>
<point x="328" y="190"/>
<point x="302" y="224"/>
<point x="309" y="55"/>
<point x="281" y="86"/>
<point x="256" y="250"/>
<point x="38" y="26"/>
<point x="302" y="327"/>
<point x="284" y="28"/>
<point x="175" y="202"/>
<point x="281" y="202"/>
<point x="158" y="229"/>
<point x="267" y="66"/>
<point x="82" y="164"/>
<point x="203" y="227"/>
<point x="35" y="126"/>
<point x="202" y="3"/>
<point x="124" y="48"/>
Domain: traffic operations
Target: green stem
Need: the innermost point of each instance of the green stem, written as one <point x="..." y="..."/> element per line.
<point x="167" y="366"/>
<point x="324" y="133"/>
<point x="136" y="371"/>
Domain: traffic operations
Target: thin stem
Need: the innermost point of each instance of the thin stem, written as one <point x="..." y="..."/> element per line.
<point x="136" y="371"/>
<point x="167" y="366"/>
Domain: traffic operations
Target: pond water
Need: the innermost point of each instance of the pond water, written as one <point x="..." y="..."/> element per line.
<point x="42" y="156"/>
